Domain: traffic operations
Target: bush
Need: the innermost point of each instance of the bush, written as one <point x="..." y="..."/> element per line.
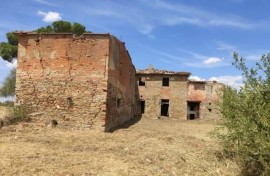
<point x="7" y="103"/>
<point x="245" y="135"/>
<point x="19" y="114"/>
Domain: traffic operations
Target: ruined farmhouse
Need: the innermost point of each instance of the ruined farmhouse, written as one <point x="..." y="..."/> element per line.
<point x="90" y="81"/>
<point x="87" y="80"/>
<point x="170" y="94"/>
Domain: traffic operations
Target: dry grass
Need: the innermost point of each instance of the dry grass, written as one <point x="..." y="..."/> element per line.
<point x="3" y="112"/>
<point x="149" y="147"/>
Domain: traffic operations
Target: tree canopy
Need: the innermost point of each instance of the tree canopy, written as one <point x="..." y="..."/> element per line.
<point x="8" y="87"/>
<point x="63" y="26"/>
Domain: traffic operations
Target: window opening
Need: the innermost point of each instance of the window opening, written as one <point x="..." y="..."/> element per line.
<point x="141" y="82"/>
<point x="165" y="81"/>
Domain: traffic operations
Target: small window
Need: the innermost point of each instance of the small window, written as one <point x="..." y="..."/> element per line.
<point x="199" y="87"/>
<point x="141" y="81"/>
<point x="165" y="82"/>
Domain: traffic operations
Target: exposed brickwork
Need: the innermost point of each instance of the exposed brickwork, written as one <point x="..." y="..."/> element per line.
<point x="205" y="92"/>
<point x="122" y="87"/>
<point x="74" y="79"/>
<point x="153" y="92"/>
<point x="90" y="81"/>
<point x="179" y="93"/>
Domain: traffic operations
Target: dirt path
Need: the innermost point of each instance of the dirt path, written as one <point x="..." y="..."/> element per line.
<point x="149" y="147"/>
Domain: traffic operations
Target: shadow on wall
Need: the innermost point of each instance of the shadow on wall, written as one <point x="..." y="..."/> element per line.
<point x="127" y="124"/>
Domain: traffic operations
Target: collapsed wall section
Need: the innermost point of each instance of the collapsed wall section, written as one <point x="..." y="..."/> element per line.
<point x="207" y="94"/>
<point x="122" y="95"/>
<point x="64" y="77"/>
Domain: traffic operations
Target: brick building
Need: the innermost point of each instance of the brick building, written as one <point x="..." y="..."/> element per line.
<point x="202" y="98"/>
<point x="85" y="81"/>
<point x="163" y="93"/>
<point x="171" y="94"/>
<point x="90" y="81"/>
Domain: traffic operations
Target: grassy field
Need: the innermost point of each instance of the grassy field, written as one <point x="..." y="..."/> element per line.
<point x="3" y="111"/>
<point x="149" y="147"/>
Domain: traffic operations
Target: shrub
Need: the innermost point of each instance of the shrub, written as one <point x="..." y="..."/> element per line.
<point x="18" y="114"/>
<point x="245" y="135"/>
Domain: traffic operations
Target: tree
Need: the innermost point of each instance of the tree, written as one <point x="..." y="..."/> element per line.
<point x="47" y="29"/>
<point x="8" y="51"/>
<point x="78" y="29"/>
<point x="246" y="118"/>
<point x="61" y="26"/>
<point x="8" y="87"/>
<point x="12" y="38"/>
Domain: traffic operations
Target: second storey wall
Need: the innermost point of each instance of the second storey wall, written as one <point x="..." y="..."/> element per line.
<point x="153" y="92"/>
<point x="63" y="77"/>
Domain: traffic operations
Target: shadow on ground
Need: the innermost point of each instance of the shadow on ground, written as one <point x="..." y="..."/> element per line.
<point x="127" y="124"/>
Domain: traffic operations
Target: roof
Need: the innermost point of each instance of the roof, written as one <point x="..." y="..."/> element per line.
<point x="153" y="71"/>
<point x="205" y="82"/>
<point x="60" y="33"/>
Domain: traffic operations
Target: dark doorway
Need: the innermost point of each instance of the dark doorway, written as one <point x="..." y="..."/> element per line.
<point x="142" y="106"/>
<point x="164" y="107"/>
<point x="193" y="110"/>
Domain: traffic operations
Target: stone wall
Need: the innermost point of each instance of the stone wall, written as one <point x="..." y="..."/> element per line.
<point x="64" y="77"/>
<point x="153" y="92"/>
<point x="206" y="93"/>
<point x="86" y="81"/>
<point x="122" y="89"/>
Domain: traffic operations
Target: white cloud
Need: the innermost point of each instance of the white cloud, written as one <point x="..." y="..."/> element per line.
<point x="7" y="65"/>
<point x="50" y="16"/>
<point x="212" y="60"/>
<point x="223" y="46"/>
<point x="44" y="2"/>
<point x="12" y="64"/>
<point x="196" y="78"/>
<point x="176" y="14"/>
<point x="235" y="81"/>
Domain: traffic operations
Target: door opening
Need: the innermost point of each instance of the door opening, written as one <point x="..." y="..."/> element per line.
<point x="164" y="107"/>
<point x="142" y="102"/>
<point x="193" y="110"/>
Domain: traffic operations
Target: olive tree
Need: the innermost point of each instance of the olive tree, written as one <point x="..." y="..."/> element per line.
<point x="246" y="118"/>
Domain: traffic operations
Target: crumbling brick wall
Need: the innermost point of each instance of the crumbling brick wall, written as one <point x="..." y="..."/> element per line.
<point x="66" y="77"/>
<point x="153" y="92"/>
<point x="122" y="88"/>
<point x="207" y="93"/>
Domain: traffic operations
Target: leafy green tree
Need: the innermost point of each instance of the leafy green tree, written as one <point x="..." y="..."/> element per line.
<point x="246" y="118"/>
<point x="61" y="26"/>
<point x="78" y="29"/>
<point x="12" y="38"/>
<point x="47" y="29"/>
<point x="8" y="50"/>
<point x="8" y="87"/>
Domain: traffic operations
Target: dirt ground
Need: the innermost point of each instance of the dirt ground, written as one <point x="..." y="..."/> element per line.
<point x="148" y="147"/>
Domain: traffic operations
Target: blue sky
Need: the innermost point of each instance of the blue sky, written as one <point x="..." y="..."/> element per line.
<point x="198" y="36"/>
